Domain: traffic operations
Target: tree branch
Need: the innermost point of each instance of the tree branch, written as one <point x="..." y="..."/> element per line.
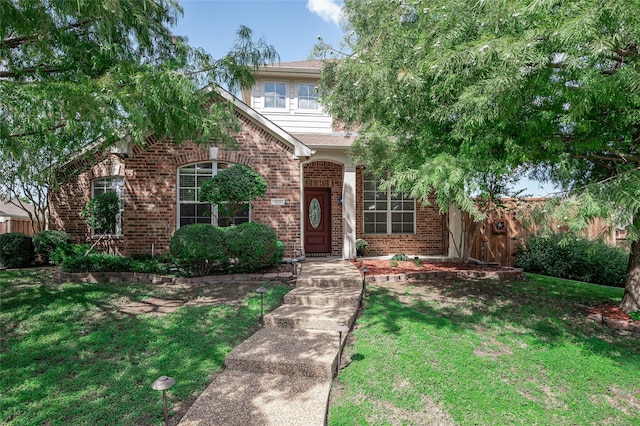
<point x="30" y="70"/>
<point x="22" y="135"/>
<point x="13" y="42"/>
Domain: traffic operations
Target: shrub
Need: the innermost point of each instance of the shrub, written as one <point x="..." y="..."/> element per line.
<point x="45" y="242"/>
<point x="96" y="262"/>
<point x="152" y="265"/>
<point x="576" y="258"/>
<point x="68" y="250"/>
<point x="361" y="245"/>
<point x="233" y="189"/>
<point x="16" y="250"/>
<point x="199" y="249"/>
<point x="253" y="246"/>
<point x="400" y="256"/>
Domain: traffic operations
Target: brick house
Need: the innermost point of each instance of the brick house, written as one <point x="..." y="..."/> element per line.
<point x="317" y="200"/>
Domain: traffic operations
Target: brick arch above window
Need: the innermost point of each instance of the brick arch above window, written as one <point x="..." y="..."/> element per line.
<point x="202" y="155"/>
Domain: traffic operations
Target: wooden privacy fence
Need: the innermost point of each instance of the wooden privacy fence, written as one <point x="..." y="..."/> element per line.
<point x="502" y="233"/>
<point x="17" y="225"/>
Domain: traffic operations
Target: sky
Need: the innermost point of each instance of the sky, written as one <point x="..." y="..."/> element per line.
<point x="291" y="26"/>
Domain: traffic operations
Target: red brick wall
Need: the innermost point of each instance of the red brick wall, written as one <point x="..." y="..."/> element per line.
<point x="429" y="238"/>
<point x="325" y="174"/>
<point x="150" y="178"/>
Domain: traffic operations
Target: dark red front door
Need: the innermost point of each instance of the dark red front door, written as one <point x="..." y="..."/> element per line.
<point x="317" y="223"/>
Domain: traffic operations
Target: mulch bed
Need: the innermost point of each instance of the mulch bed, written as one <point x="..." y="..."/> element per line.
<point x="610" y="312"/>
<point x="383" y="267"/>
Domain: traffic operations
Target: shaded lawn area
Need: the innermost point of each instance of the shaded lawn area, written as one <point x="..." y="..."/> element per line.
<point x="476" y="353"/>
<point x="71" y="353"/>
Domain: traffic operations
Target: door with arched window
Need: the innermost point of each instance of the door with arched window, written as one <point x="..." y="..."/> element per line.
<point x="317" y="230"/>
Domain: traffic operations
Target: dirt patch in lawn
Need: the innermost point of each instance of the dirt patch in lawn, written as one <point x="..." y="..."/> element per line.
<point x="173" y="296"/>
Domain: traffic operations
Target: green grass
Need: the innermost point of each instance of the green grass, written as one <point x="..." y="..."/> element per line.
<point x="70" y="356"/>
<point x="487" y="353"/>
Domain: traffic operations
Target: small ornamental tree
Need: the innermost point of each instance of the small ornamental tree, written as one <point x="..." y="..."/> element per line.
<point x="101" y="214"/>
<point x="232" y="190"/>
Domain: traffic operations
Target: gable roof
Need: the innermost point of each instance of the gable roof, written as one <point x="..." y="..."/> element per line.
<point x="333" y="140"/>
<point x="11" y="210"/>
<point x="309" y="69"/>
<point x="299" y="148"/>
<point x="92" y="153"/>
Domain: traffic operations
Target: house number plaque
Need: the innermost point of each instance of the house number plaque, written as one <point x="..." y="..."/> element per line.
<point x="314" y="213"/>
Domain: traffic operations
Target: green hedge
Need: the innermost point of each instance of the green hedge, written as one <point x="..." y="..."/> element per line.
<point x="252" y="246"/>
<point x="96" y="262"/>
<point x="45" y="243"/>
<point x="102" y="262"/>
<point x="199" y="249"/>
<point x="576" y="258"/>
<point x="202" y="249"/>
<point x="16" y="250"/>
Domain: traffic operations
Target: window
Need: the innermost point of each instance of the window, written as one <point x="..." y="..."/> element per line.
<point x="275" y="95"/>
<point x="115" y="184"/>
<point x="307" y="96"/>
<point x="385" y="211"/>
<point x="190" y="210"/>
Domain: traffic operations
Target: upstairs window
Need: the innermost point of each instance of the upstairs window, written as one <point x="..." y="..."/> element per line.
<point x="386" y="211"/>
<point x="115" y="184"/>
<point x="275" y="95"/>
<point x="190" y="210"/>
<point x="307" y="96"/>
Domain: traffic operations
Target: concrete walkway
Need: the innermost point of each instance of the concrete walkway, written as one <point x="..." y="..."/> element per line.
<point x="282" y="374"/>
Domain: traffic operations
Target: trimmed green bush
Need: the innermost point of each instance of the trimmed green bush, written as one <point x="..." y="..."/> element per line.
<point x="64" y="251"/>
<point x="575" y="258"/>
<point x="16" y="250"/>
<point x="253" y="246"/>
<point x="96" y="262"/>
<point x="200" y="249"/>
<point x="45" y="242"/>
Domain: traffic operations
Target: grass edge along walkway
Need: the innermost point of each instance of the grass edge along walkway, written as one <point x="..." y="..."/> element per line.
<point x="69" y="356"/>
<point x="487" y="353"/>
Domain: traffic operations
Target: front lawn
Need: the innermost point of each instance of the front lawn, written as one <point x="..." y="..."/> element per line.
<point x="88" y="353"/>
<point x="482" y="353"/>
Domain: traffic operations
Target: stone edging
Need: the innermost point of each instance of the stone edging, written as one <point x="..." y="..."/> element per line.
<point x="625" y="327"/>
<point x="140" y="277"/>
<point x="512" y="274"/>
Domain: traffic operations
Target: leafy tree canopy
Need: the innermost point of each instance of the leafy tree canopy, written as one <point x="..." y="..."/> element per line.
<point x="444" y="91"/>
<point x="79" y="71"/>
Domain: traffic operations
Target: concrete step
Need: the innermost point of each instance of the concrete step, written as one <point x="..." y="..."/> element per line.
<point x="324" y="296"/>
<point x="240" y="398"/>
<point x="310" y="317"/>
<point x="310" y="353"/>
<point x="320" y="281"/>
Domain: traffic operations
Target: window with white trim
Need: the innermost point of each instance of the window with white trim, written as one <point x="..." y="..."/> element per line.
<point x="307" y="96"/>
<point x="386" y="211"/>
<point x="275" y="95"/>
<point x="115" y="184"/>
<point x="190" y="210"/>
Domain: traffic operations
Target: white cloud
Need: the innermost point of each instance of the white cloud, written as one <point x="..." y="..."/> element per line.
<point x="329" y="10"/>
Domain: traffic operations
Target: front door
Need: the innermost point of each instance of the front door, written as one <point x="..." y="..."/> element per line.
<point x="317" y="223"/>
